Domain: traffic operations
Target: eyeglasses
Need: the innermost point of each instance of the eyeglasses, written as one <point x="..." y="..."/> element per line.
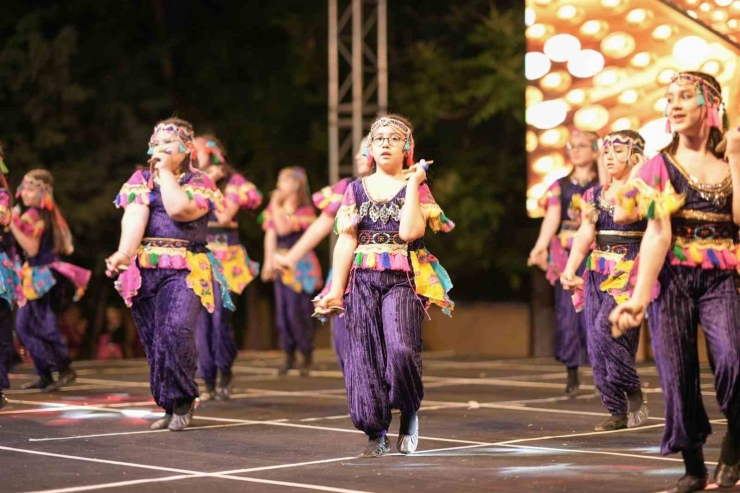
<point x="393" y="140"/>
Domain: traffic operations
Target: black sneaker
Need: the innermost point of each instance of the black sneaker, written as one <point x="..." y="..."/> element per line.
<point x="571" y="387"/>
<point x="288" y="365"/>
<point x="3" y="400"/>
<point x="375" y="447"/>
<point x="306" y="367"/>
<point x="727" y="473"/>
<point x="39" y="384"/>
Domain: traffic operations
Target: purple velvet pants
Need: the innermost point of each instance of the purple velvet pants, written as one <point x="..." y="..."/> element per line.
<point x="293" y="319"/>
<point x="612" y="360"/>
<point x="6" y="342"/>
<point x="165" y="312"/>
<point x="570" y="330"/>
<point x="339" y="336"/>
<point x="37" y="329"/>
<point x="383" y="353"/>
<point x="691" y="296"/>
<point x="214" y="338"/>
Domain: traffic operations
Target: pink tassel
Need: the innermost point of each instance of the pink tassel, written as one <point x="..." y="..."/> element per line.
<point x="164" y="262"/>
<point x="730" y="259"/>
<point x="668" y="126"/>
<point x="706" y="263"/>
<point x="410" y="156"/>
<point x="400" y="262"/>
<point x="150" y="182"/>
<point x="200" y="201"/>
<point x="713" y="116"/>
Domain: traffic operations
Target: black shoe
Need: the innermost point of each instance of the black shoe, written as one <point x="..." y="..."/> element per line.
<point x="65" y="378"/>
<point x="689" y="484"/>
<point x="727" y="473"/>
<point x="223" y="393"/>
<point x="408" y="433"/>
<point x="3" y="400"/>
<point x="288" y="365"/>
<point x="40" y="384"/>
<point x="639" y="410"/>
<point x="375" y="447"/>
<point x="306" y="367"/>
<point x="571" y="388"/>
<point x="210" y="393"/>
<point x="614" y="422"/>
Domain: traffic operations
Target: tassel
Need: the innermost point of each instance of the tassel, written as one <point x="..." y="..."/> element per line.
<point x="651" y="210"/>
<point x="668" y="126"/>
<point x="3" y="168"/>
<point x="713" y="258"/>
<point x="725" y="118"/>
<point x="410" y="155"/>
<point x="678" y="253"/>
<point x="602" y="264"/>
<point x="385" y="261"/>
<point x="700" y="99"/>
<point x="358" y="259"/>
<point x="712" y="116"/>
<point x="696" y="255"/>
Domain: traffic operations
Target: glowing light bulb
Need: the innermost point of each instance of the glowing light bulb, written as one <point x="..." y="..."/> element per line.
<point x="529" y="17"/>
<point x="664" y="31"/>
<point x="562" y="47"/>
<point x="691" y="51"/>
<point x="548" y="114"/>
<point x="576" y="96"/>
<point x="628" y="97"/>
<point x="536" y="65"/>
<point x="641" y="60"/>
<point x="586" y="64"/>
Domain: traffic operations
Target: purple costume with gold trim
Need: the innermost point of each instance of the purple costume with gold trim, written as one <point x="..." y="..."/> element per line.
<point x="697" y="286"/>
<point x="172" y="278"/>
<point x="328" y="200"/>
<point x="11" y="291"/>
<point x="391" y="285"/>
<point x="294" y="288"/>
<point x="570" y="329"/>
<point x="214" y="332"/>
<point x="36" y="321"/>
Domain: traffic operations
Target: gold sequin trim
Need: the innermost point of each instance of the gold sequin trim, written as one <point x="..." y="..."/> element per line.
<point x="712" y="217"/>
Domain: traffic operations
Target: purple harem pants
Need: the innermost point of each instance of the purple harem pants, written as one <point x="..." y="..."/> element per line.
<point x="6" y="342"/>
<point x="214" y="338"/>
<point x="293" y="319"/>
<point x="383" y="353"/>
<point x="612" y="360"/>
<point x="691" y="296"/>
<point x="37" y="329"/>
<point x="165" y="311"/>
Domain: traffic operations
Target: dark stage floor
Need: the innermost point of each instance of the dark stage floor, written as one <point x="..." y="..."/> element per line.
<point x="493" y="426"/>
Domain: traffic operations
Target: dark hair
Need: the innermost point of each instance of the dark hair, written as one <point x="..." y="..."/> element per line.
<point x="715" y="134"/>
<point x="54" y="223"/>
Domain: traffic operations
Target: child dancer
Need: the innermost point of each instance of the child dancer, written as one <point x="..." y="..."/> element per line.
<point x="562" y="205"/>
<point x="691" y="199"/>
<point x="167" y="274"/>
<point x="214" y="332"/>
<point x="284" y="221"/>
<point x="10" y="284"/>
<point x="606" y="284"/>
<point x="327" y="200"/>
<point x="392" y="279"/>
<point x="43" y="235"/>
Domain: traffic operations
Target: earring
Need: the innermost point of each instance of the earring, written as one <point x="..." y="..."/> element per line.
<point x="182" y="148"/>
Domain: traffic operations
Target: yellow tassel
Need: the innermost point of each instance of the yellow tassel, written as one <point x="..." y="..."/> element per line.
<point x="696" y="255"/>
<point x="371" y="261"/>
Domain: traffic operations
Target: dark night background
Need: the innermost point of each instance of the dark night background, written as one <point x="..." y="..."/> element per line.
<point x="83" y="82"/>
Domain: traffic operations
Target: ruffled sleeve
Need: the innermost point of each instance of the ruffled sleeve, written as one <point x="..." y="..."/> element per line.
<point x="300" y="220"/>
<point x="347" y="217"/>
<point x="30" y="223"/>
<point x="651" y="192"/>
<point x="589" y="212"/>
<point x="5" y="213"/>
<point x="134" y="191"/>
<point x="243" y="192"/>
<point x="553" y="196"/>
<point x="200" y="188"/>
<point x="329" y="199"/>
<point x="432" y="212"/>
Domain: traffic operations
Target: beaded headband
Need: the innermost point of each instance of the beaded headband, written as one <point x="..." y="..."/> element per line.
<point x="45" y="190"/>
<point x="706" y="95"/>
<point x="34" y="183"/>
<point x="595" y="140"/>
<point x="398" y="124"/>
<point x="181" y="133"/>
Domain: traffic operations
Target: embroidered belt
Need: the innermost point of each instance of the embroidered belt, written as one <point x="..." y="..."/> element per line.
<point x="620" y="249"/>
<point x="569" y="226"/>
<point x="164" y="243"/>
<point x="379" y="238"/>
<point x="703" y="232"/>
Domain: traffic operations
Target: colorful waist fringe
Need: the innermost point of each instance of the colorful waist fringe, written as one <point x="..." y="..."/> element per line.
<point x="38" y="280"/>
<point x="558" y="256"/>
<point x="11" y="286"/>
<point x="306" y="277"/>
<point x="160" y="253"/>
<point x="239" y="269"/>
<point x="620" y="272"/>
<point x="722" y="254"/>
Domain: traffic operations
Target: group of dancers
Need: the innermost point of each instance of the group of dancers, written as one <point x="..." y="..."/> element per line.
<point x="657" y="239"/>
<point x="657" y="236"/>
